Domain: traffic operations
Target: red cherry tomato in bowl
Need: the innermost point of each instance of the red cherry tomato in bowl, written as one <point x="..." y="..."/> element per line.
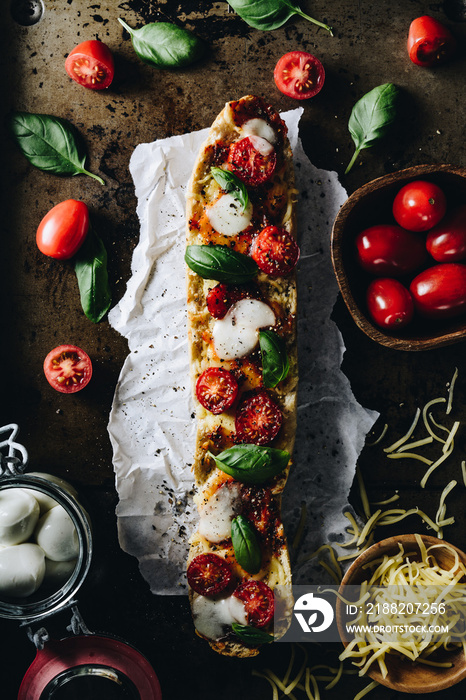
<point x="440" y="291"/>
<point x="258" y="418"/>
<point x="275" y="251"/>
<point x="389" y="303"/>
<point x="253" y="160"/>
<point x="216" y="389"/>
<point x="299" y="74"/>
<point x="258" y="601"/>
<point x="63" y="229"/>
<point x="209" y="574"/>
<point x="446" y="242"/>
<point x="419" y="205"/>
<point x="429" y="42"/>
<point x="391" y="251"/>
<point x="90" y="64"/>
<point x="68" y="369"/>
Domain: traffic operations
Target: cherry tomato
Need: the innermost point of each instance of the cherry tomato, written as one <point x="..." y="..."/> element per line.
<point x="68" y="369"/>
<point x="216" y="389"/>
<point x="90" y="64"/>
<point x="209" y="574"/>
<point x="299" y="74"/>
<point x="429" y="42"/>
<point x="259" y="506"/>
<point x="275" y="251"/>
<point x="446" y="242"/>
<point x="391" y="251"/>
<point x="222" y="296"/>
<point x="251" y="165"/>
<point x="440" y="291"/>
<point x="419" y="205"/>
<point x="389" y="303"/>
<point x="258" y="418"/>
<point x="258" y="601"/>
<point x="63" y="229"/>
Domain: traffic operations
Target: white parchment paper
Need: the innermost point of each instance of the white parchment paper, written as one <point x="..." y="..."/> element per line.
<point x="152" y="426"/>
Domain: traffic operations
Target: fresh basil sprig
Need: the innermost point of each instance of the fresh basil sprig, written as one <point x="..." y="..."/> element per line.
<point x="275" y="362"/>
<point x="231" y="184"/>
<point x="251" y="635"/>
<point x="270" y="14"/>
<point x="220" y="263"/>
<point x="252" y="464"/>
<point x="372" y="117"/>
<point x="50" y="143"/>
<point x="246" y="544"/>
<point x="91" y="271"/>
<point x="165" y="45"/>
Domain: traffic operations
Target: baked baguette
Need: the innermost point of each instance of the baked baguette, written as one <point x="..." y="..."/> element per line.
<point x="247" y="141"/>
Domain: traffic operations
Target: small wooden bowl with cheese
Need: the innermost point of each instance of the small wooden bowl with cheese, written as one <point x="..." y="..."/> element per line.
<point x="432" y="563"/>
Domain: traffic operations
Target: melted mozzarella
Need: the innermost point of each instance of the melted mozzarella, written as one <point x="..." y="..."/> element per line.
<point x="228" y="217"/>
<point x="259" y="127"/>
<point x="19" y="513"/>
<point x="56" y="534"/>
<point x="219" y="511"/>
<point x="237" y="333"/>
<point x="22" y="569"/>
<point x="214" y="616"/>
<point x="261" y="145"/>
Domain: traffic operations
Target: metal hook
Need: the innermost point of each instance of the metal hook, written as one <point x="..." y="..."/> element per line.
<point x="16" y="458"/>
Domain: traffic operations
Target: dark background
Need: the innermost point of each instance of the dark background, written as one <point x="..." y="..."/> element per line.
<point x="67" y="435"/>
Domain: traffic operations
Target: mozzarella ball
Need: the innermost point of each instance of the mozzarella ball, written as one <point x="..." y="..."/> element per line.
<point x="58" y="572"/>
<point x="47" y="502"/>
<point x="56" y="534"/>
<point x="22" y="569"/>
<point x="19" y="513"/>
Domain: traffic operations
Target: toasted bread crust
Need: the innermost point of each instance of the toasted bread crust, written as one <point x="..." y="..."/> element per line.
<point x="216" y="432"/>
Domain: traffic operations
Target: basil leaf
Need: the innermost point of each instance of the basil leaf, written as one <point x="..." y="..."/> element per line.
<point x="246" y="545"/>
<point x="165" y="45"/>
<point x="231" y="184"/>
<point x="275" y="363"/>
<point x="220" y="263"/>
<point x="372" y="117"/>
<point x="251" y="635"/>
<point x="252" y="464"/>
<point x="91" y="270"/>
<point x="50" y="144"/>
<point x="270" y="14"/>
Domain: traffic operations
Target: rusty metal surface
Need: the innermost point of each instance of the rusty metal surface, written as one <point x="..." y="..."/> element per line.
<point x="41" y="309"/>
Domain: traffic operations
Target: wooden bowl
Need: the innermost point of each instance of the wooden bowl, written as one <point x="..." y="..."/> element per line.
<point x="371" y="204"/>
<point x="404" y="675"/>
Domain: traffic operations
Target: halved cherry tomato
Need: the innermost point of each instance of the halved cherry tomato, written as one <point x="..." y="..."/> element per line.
<point x="387" y="250"/>
<point x="299" y="74"/>
<point x="389" y="303"/>
<point x="68" y="369"/>
<point x="259" y="506"/>
<point x="440" y="291"/>
<point x="63" y="229"/>
<point x="258" y="601"/>
<point x="429" y="42"/>
<point x="90" y="64"/>
<point x="419" y="205"/>
<point x="216" y="389"/>
<point x="253" y="160"/>
<point x="275" y="251"/>
<point x="222" y="296"/>
<point x="446" y="242"/>
<point x="258" y="418"/>
<point x="209" y="574"/>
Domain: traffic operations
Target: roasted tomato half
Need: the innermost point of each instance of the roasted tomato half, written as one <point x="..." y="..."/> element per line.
<point x="253" y="160"/>
<point x="90" y="64"/>
<point x="258" y="418"/>
<point x="258" y="601"/>
<point x="209" y="574"/>
<point x="216" y="389"/>
<point x="68" y="369"/>
<point x="275" y="251"/>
